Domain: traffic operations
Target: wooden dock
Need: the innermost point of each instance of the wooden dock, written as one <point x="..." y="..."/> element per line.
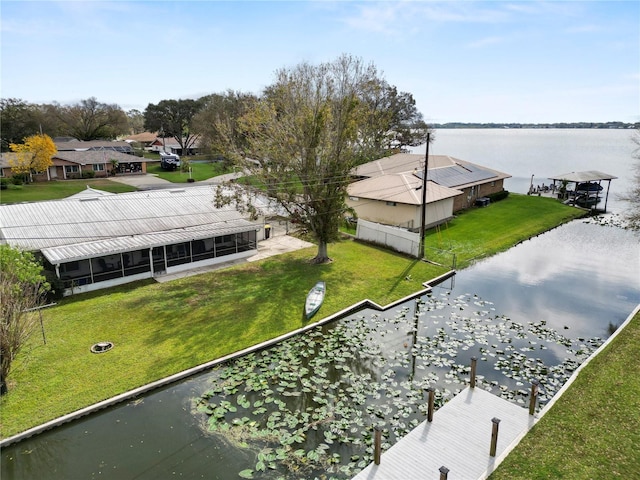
<point x="459" y="439"/>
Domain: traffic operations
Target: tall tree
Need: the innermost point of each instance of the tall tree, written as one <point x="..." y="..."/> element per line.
<point x="392" y="122"/>
<point x="92" y="120"/>
<point x="632" y="196"/>
<point x="18" y="120"/>
<point x="217" y="122"/>
<point x="34" y="155"/>
<point x="174" y="118"/>
<point x="135" y="120"/>
<point x="22" y="288"/>
<point x="303" y="133"/>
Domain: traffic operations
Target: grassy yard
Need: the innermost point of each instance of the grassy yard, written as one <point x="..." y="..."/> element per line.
<point x="480" y="232"/>
<point x="199" y="172"/>
<point x="161" y="329"/>
<point x="593" y="430"/>
<point x="56" y="189"/>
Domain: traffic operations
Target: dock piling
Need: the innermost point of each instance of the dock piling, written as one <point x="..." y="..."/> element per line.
<point x="533" y="397"/>
<point x="430" y="403"/>
<point x="377" y="445"/>
<point x="494" y="436"/>
<point x="474" y="361"/>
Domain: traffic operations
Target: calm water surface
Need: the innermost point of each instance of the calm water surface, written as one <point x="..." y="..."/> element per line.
<point x="580" y="280"/>
<point x="543" y="153"/>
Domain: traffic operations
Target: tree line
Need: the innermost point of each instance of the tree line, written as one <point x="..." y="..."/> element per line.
<point x="391" y="121"/>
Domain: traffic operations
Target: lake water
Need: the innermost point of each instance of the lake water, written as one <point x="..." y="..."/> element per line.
<point x="543" y="153"/>
<point x="535" y="311"/>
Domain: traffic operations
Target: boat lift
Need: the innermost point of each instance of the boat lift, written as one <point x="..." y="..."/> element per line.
<point x="587" y="178"/>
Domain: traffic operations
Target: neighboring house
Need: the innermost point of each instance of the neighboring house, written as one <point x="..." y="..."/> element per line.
<point x="71" y="164"/>
<point x="68" y="144"/>
<point x="171" y="145"/>
<point x="97" y="240"/>
<point x="5" y="164"/>
<point x="387" y="190"/>
<point x="146" y="139"/>
<point x="396" y="199"/>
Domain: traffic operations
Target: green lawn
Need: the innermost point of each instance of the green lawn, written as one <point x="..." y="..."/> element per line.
<point x="478" y="232"/>
<point x="593" y="430"/>
<point x="199" y="172"/>
<point x="56" y="189"/>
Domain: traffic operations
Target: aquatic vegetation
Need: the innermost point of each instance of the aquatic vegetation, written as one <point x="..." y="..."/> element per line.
<point x="307" y="407"/>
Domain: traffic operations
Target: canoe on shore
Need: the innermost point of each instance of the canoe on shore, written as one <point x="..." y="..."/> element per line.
<point x="315" y="297"/>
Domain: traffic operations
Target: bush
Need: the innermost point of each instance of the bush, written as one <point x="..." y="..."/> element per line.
<point x="4" y="183"/>
<point x="496" y="197"/>
<point x="88" y="174"/>
<point x="57" y="286"/>
<point x="18" y="179"/>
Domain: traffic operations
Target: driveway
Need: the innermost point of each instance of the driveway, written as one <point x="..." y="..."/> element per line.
<point x="143" y="182"/>
<point x="149" y="181"/>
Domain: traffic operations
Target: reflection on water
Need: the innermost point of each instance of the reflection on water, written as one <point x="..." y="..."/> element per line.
<point x="579" y="277"/>
<point x="535" y="311"/>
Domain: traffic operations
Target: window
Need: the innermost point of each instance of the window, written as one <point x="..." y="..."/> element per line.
<point x="98" y="167"/>
<point x="354" y="199"/>
<point x="225" y="245"/>
<point x="178" y="253"/>
<point x="69" y="267"/>
<point x="391" y="204"/>
<point x="71" y="169"/>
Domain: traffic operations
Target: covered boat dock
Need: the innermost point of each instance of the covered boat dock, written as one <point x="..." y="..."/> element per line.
<point x="587" y="188"/>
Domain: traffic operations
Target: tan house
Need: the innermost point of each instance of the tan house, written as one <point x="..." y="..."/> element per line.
<point x="389" y="189"/>
<point x="144" y="138"/>
<point x="396" y="199"/>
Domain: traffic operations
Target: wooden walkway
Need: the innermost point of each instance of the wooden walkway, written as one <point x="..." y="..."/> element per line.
<point x="458" y="438"/>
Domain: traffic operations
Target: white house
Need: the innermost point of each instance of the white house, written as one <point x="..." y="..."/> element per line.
<point x="96" y="240"/>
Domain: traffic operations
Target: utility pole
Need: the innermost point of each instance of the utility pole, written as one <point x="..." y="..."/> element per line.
<point x="424" y="199"/>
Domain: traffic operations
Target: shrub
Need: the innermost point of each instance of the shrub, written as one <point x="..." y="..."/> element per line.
<point x="4" y="183"/>
<point x="495" y="197"/>
<point x="88" y="174"/>
<point x="18" y="179"/>
<point x="57" y="286"/>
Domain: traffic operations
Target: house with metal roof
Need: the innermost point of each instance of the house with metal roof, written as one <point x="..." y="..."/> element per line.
<point x="94" y="241"/>
<point x="388" y="190"/>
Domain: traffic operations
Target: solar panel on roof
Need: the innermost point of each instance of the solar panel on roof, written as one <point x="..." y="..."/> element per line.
<point x="457" y="175"/>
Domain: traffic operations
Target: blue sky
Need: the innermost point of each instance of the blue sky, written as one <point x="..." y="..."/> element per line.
<point x="496" y="61"/>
